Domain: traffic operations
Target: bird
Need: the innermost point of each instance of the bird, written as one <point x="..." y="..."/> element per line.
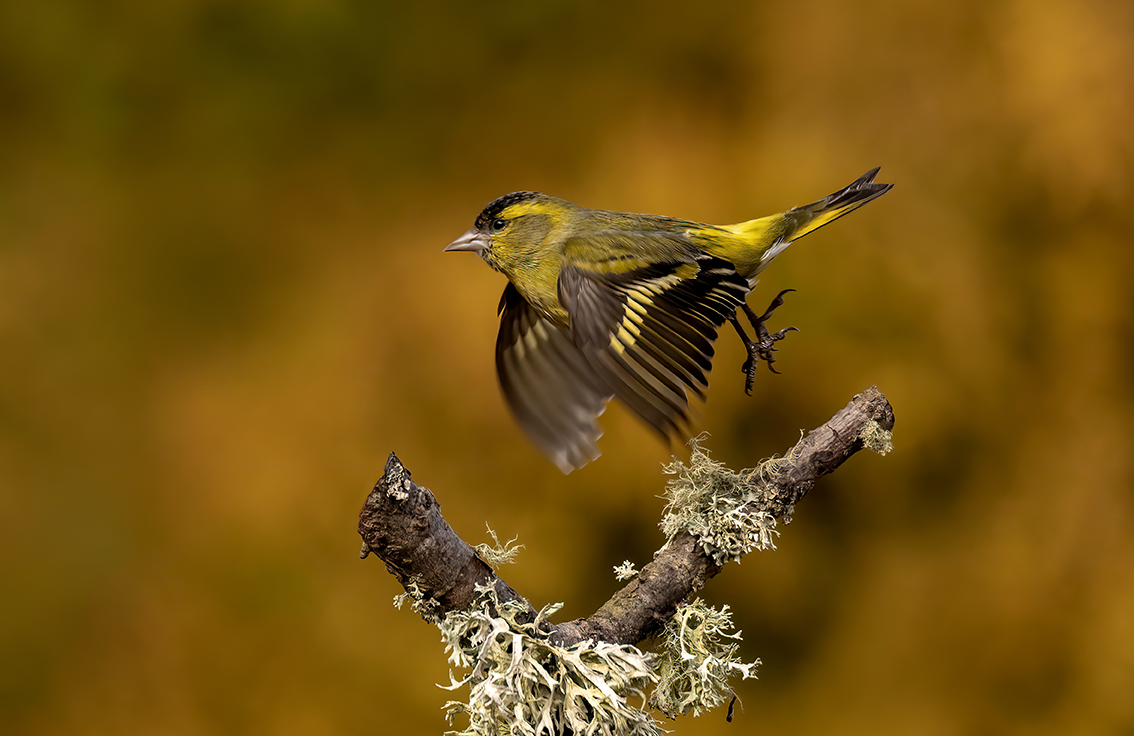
<point x="602" y="304"/>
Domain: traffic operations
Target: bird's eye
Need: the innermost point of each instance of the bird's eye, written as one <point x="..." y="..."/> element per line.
<point x="499" y="224"/>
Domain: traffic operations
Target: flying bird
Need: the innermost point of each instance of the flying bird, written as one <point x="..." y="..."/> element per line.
<point x="603" y="304"/>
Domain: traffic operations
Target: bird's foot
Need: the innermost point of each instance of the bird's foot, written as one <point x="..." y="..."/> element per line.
<point x="765" y="343"/>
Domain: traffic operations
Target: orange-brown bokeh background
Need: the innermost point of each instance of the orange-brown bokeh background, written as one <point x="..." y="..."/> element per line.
<point x="223" y="301"/>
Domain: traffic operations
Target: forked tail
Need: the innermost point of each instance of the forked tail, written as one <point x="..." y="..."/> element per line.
<point x="783" y="229"/>
<point x="811" y="217"/>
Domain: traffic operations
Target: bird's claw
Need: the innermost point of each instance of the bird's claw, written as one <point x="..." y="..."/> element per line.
<point x="765" y="343"/>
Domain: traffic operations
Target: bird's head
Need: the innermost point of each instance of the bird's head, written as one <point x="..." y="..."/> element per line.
<point x="512" y="232"/>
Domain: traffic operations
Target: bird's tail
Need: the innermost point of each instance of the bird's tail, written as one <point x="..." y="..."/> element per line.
<point x="774" y="233"/>
<point x="811" y="217"/>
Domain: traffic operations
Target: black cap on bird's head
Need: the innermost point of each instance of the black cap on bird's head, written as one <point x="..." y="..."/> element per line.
<point x="498" y="205"/>
<point x="477" y="239"/>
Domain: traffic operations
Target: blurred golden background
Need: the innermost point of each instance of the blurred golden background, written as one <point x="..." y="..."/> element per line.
<point x="223" y="301"/>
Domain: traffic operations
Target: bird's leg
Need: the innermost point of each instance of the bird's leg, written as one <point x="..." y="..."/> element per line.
<point x="764" y="345"/>
<point x="747" y="368"/>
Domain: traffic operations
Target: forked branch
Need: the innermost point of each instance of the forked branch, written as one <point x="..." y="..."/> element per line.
<point x="401" y="523"/>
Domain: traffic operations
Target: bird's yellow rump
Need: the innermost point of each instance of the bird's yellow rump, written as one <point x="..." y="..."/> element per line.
<point x="602" y="304"/>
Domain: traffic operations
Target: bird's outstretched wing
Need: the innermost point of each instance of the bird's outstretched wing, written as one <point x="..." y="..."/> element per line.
<point x="551" y="388"/>
<point x="648" y="331"/>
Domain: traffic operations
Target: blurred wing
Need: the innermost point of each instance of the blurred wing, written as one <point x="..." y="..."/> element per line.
<point x="550" y="387"/>
<point x="648" y="332"/>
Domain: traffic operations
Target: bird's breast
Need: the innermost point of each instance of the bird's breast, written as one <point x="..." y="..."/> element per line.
<point x="544" y="298"/>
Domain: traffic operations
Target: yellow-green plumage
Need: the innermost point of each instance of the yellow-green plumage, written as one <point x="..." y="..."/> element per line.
<point x="602" y="304"/>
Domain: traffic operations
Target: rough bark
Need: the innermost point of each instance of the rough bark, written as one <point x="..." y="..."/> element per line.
<point x="401" y="523"/>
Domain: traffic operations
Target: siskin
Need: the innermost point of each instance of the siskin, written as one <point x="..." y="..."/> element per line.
<point x="602" y="304"/>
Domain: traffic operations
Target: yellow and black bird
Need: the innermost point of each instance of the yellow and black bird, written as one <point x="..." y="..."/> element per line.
<point x="602" y="304"/>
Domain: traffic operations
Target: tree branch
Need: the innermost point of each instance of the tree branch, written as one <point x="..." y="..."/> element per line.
<point x="401" y="523"/>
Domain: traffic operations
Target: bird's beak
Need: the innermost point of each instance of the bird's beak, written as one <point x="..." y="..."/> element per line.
<point x="472" y="240"/>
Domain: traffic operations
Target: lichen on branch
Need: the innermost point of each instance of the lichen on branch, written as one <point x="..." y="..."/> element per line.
<point x="520" y="682"/>
<point x="530" y="676"/>
<point x="724" y="509"/>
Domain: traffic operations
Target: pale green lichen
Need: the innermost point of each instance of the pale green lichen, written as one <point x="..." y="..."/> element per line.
<point x="721" y="507"/>
<point x="625" y="571"/>
<point x="698" y="656"/>
<point x="427" y="608"/>
<point x="497" y="553"/>
<point x="876" y="438"/>
<point x="523" y="684"/>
